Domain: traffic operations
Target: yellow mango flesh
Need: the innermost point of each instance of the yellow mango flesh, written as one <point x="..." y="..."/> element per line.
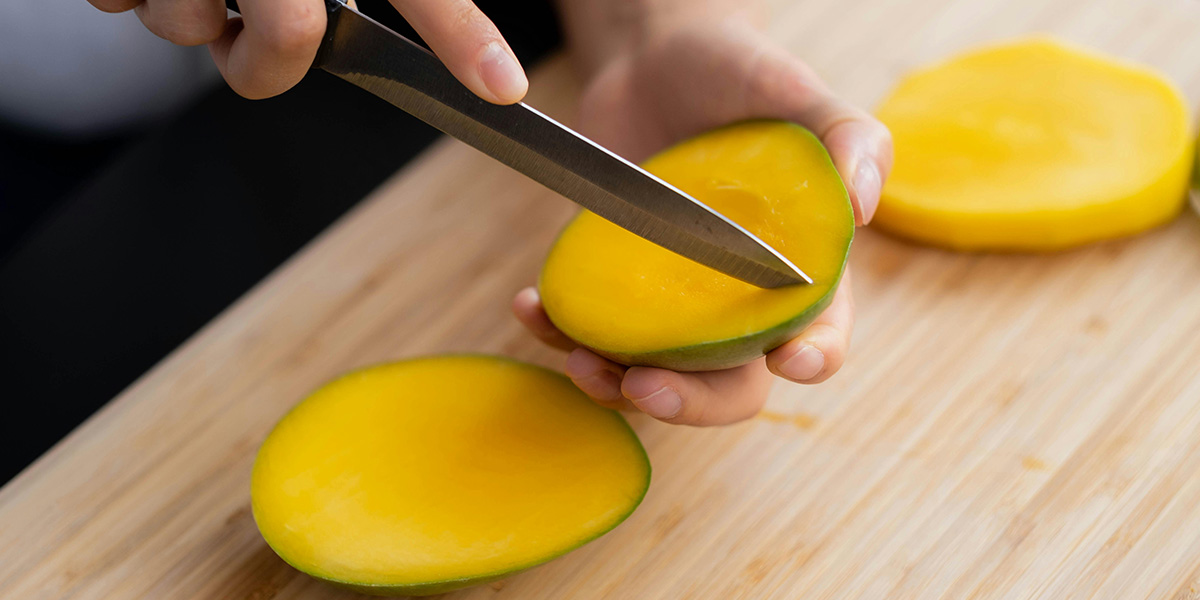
<point x="637" y="303"/>
<point x="1033" y="145"/>
<point x="426" y="475"/>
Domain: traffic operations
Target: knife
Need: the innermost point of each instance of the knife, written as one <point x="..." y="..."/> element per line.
<point x="363" y="52"/>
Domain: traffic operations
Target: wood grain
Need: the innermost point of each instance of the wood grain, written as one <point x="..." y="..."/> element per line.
<point x="1006" y="426"/>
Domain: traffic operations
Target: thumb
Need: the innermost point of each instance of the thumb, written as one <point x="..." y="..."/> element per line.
<point x="860" y="146"/>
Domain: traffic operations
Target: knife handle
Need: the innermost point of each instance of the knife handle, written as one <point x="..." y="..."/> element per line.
<point x="329" y="4"/>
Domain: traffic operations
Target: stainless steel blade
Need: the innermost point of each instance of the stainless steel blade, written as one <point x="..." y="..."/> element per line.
<point x="371" y="56"/>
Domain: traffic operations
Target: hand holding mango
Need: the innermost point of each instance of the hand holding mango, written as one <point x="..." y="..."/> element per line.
<point x="681" y="75"/>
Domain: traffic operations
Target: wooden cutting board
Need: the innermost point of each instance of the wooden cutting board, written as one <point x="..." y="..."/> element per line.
<point x="1006" y="426"/>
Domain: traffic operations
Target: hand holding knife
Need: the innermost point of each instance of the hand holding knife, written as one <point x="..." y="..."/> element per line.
<point x="363" y="52"/>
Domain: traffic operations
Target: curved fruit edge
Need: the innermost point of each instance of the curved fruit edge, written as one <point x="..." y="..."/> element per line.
<point x="1194" y="182"/>
<point x="1191" y="151"/>
<point x="931" y="220"/>
<point x="438" y="587"/>
<point x="737" y="351"/>
<point x="729" y="352"/>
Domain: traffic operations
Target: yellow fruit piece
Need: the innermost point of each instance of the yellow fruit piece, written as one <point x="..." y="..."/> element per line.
<point x="423" y="476"/>
<point x="1033" y="145"/>
<point x="639" y="304"/>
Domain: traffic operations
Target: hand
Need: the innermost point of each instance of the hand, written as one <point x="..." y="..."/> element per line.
<point x="272" y="45"/>
<point x="674" y="86"/>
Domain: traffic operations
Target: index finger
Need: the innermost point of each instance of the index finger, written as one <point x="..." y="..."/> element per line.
<point x="271" y="47"/>
<point x="470" y="46"/>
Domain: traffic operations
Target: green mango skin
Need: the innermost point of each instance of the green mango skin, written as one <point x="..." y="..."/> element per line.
<point x="1194" y="193"/>
<point x="726" y="354"/>
<point x="425" y="589"/>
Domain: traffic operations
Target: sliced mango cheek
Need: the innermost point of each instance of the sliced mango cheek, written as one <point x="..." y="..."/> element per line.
<point x="1033" y="145"/>
<point x="634" y="301"/>
<point x="423" y="475"/>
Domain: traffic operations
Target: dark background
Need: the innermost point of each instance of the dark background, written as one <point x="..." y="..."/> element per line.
<point x="114" y="251"/>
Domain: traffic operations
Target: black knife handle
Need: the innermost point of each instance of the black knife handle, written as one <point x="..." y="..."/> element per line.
<point x="329" y="4"/>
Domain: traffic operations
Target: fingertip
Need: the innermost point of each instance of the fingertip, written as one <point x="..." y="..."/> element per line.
<point x="885" y="151"/>
<point x="811" y="359"/>
<point x="884" y="157"/>
<point x="470" y="46"/>
<point x="530" y="293"/>
<point x="867" y="186"/>
<point x="185" y="24"/>
<point x="861" y="150"/>
<point x="221" y="47"/>
<point x="800" y="365"/>
<point x="873" y="170"/>
<point x="527" y="308"/>
<point x="115" y="6"/>
<point x="525" y="304"/>
<point x="502" y="74"/>
<point x="859" y="144"/>
<point x="292" y="29"/>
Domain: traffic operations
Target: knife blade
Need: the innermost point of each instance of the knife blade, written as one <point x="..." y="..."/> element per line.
<point x="367" y="54"/>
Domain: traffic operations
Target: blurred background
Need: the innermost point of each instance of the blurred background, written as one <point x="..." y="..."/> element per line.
<point x="131" y="176"/>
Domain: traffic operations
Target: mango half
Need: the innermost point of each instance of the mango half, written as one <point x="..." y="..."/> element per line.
<point x="428" y="475"/>
<point x="1033" y="145"/>
<point x="639" y="304"/>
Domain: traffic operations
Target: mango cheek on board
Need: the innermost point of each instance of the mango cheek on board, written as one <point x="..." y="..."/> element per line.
<point x="1033" y="145"/>
<point x="432" y="474"/>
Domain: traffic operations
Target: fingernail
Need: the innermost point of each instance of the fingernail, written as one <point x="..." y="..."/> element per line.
<point x="501" y="73"/>
<point x="804" y="365"/>
<point x="528" y="296"/>
<point x="663" y="404"/>
<point x="604" y="385"/>
<point x="866" y="188"/>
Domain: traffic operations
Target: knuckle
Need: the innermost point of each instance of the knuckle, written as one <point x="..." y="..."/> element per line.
<point x="462" y="14"/>
<point x="191" y="35"/>
<point x="189" y="26"/>
<point x="466" y="16"/>
<point x="297" y="30"/>
<point x="842" y="118"/>
<point x="785" y="81"/>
